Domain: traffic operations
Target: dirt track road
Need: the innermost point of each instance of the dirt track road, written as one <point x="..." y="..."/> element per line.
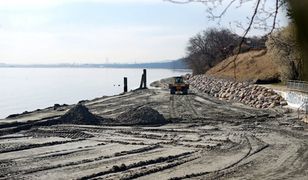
<point x="207" y="139"/>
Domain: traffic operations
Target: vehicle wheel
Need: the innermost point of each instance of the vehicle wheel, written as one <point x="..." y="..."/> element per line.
<point x="185" y="91"/>
<point x="172" y="91"/>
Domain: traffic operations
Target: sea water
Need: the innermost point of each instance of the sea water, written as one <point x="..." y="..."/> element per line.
<point x="27" y="89"/>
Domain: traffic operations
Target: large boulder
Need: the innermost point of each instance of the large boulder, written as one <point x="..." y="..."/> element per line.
<point x="141" y="116"/>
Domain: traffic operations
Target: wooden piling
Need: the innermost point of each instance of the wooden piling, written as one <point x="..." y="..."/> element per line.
<point x="143" y="83"/>
<point x="125" y="84"/>
<point x="144" y="78"/>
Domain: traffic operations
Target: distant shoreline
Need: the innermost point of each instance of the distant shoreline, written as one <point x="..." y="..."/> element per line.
<point x="176" y="64"/>
<point x="85" y="67"/>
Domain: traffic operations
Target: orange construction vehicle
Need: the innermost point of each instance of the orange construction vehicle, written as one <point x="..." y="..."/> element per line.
<point x="179" y="86"/>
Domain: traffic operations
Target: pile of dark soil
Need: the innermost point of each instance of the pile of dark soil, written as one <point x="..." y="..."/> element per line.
<point x="80" y="114"/>
<point x="141" y="116"/>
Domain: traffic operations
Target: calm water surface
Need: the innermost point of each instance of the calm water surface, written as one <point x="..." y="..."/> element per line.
<point x="27" y="89"/>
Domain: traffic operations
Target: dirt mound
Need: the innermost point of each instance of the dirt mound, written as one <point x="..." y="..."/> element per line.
<point x="256" y="66"/>
<point x="80" y="114"/>
<point x="141" y="116"/>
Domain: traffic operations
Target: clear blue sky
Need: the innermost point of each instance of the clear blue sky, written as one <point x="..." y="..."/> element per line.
<point x="99" y="31"/>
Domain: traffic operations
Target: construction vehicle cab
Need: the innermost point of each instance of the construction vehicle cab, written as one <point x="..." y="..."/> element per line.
<point x="178" y="86"/>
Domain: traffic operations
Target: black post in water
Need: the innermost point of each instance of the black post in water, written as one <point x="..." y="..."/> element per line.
<point x="125" y="84"/>
<point x="141" y="82"/>
<point x="145" y="78"/>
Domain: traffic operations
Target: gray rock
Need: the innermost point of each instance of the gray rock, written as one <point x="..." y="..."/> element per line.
<point x="298" y="128"/>
<point x="260" y="97"/>
<point x="272" y="105"/>
<point x="283" y="103"/>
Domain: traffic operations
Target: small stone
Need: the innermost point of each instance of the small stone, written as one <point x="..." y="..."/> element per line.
<point x="283" y="103"/>
<point x="56" y="106"/>
<point x="273" y="104"/>
<point x="260" y="97"/>
<point x="298" y="127"/>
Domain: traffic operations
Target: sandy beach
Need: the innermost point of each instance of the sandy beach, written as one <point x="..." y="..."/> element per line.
<point x="203" y="138"/>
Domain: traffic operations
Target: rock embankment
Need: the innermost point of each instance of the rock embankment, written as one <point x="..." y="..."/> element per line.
<point x="249" y="94"/>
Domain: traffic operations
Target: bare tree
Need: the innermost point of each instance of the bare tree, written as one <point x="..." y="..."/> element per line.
<point x="284" y="49"/>
<point x="209" y="47"/>
<point x="299" y="14"/>
<point x="260" y="15"/>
